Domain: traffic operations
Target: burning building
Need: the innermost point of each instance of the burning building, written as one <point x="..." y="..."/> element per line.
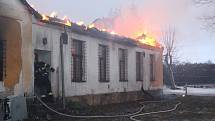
<point x="90" y="65"/>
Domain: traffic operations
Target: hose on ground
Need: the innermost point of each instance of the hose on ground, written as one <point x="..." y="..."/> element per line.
<point x="157" y="112"/>
<point x="96" y="116"/>
<point x="130" y="115"/>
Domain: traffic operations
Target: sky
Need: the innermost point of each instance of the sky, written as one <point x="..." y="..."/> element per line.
<point x="194" y="42"/>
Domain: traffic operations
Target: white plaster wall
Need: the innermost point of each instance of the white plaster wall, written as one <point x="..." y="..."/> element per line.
<point x="53" y="37"/>
<point x="92" y="84"/>
<point x="13" y="9"/>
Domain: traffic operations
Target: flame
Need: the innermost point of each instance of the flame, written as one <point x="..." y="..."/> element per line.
<point x="53" y="14"/>
<point x="80" y="23"/>
<point x="67" y="21"/>
<point x="140" y="34"/>
<point x="45" y="18"/>
<point x="147" y="39"/>
<point x="91" y="26"/>
<point x="134" y="32"/>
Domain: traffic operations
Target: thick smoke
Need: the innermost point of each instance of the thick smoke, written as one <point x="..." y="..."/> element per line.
<point x="148" y="16"/>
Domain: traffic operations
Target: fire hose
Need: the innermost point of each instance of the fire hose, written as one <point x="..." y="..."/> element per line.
<point x="75" y="116"/>
<point x="130" y="115"/>
<point x="157" y="112"/>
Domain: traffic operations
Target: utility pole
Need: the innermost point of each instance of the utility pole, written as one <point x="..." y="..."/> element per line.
<point x="63" y="40"/>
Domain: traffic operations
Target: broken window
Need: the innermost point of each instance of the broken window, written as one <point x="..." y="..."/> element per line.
<point x="103" y="63"/>
<point x="152" y="67"/>
<point x="123" y="71"/>
<point x="2" y="59"/>
<point x="78" y="61"/>
<point x="139" y="66"/>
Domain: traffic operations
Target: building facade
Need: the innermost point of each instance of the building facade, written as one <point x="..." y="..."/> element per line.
<point x="91" y="66"/>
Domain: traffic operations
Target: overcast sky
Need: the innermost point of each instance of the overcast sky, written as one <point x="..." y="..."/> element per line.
<point x="195" y="44"/>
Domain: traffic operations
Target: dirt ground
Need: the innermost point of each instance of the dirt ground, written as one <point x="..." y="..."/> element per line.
<point x="191" y="109"/>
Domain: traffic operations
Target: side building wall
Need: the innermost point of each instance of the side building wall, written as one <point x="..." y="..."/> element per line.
<point x="92" y="91"/>
<point x="15" y="22"/>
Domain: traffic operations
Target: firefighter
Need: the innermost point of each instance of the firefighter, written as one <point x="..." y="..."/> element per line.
<point x="41" y="77"/>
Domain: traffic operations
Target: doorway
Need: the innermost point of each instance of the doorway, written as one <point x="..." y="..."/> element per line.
<point x="42" y="73"/>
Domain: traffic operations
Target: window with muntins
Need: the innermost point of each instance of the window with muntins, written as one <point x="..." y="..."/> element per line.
<point x="123" y="71"/>
<point x="78" y="61"/>
<point x="103" y="63"/>
<point x="139" y="66"/>
<point x="2" y="60"/>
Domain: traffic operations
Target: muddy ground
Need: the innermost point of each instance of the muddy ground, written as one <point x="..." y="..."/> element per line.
<point x="191" y="109"/>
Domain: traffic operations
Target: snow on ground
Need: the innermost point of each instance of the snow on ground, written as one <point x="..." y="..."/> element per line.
<point x="191" y="91"/>
<point x="168" y="91"/>
<point x="201" y="91"/>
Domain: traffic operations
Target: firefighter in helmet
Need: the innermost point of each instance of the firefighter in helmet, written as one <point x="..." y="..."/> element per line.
<point x="41" y="77"/>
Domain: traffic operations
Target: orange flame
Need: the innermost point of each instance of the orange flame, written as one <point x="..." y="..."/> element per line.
<point x="67" y="21"/>
<point x="139" y="34"/>
<point x="91" y="26"/>
<point x="80" y="23"/>
<point x="147" y="39"/>
<point x="45" y="18"/>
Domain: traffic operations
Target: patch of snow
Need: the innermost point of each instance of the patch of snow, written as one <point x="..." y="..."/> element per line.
<point x="168" y="91"/>
<point x="190" y="91"/>
<point x="201" y="91"/>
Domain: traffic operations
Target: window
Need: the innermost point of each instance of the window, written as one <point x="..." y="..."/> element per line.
<point x="103" y="63"/>
<point x="152" y="67"/>
<point x="2" y="59"/>
<point x="78" y="61"/>
<point x="123" y="65"/>
<point x="139" y="66"/>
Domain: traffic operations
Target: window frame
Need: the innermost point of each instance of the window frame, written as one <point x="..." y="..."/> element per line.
<point x="3" y="60"/>
<point x="140" y="66"/>
<point x="123" y="65"/>
<point x="78" y="57"/>
<point x="103" y="54"/>
<point x="152" y="67"/>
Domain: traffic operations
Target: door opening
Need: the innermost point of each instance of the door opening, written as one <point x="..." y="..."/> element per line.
<point x="42" y="73"/>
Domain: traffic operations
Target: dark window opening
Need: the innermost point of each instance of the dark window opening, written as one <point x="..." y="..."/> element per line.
<point x="2" y="60"/>
<point x="139" y="66"/>
<point x="103" y="64"/>
<point x="78" y="69"/>
<point x="152" y="68"/>
<point x="123" y="65"/>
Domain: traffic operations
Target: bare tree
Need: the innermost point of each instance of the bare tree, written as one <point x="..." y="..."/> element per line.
<point x="169" y="41"/>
